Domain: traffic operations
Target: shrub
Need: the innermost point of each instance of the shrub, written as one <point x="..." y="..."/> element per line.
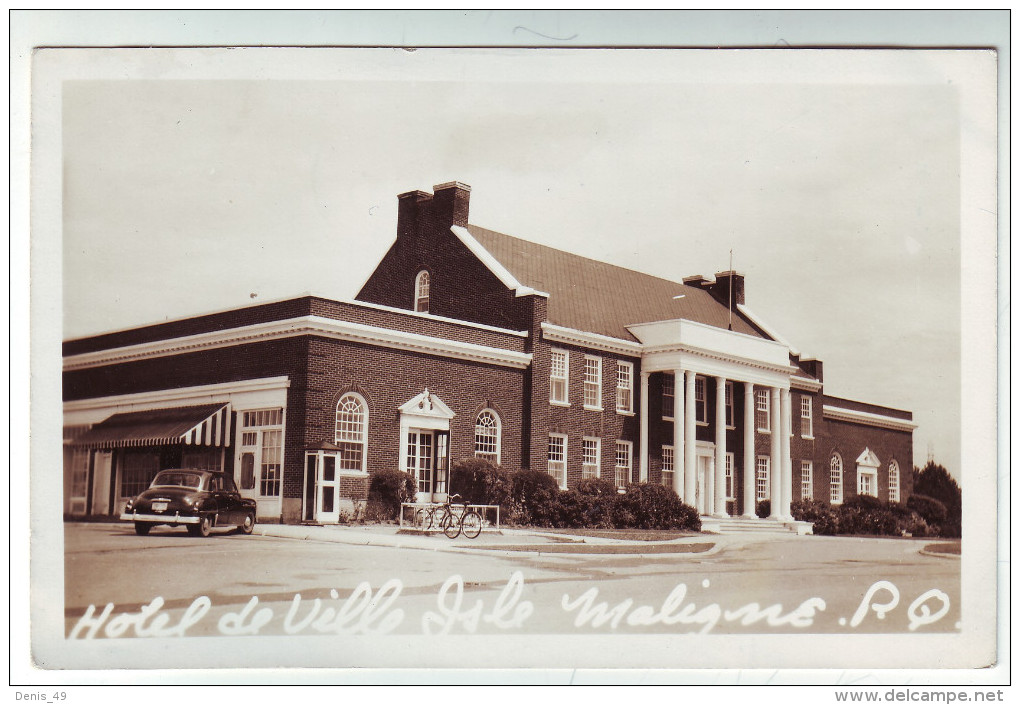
<point x="533" y="498"/>
<point x="479" y="481"/>
<point x="386" y="491"/>
<point x="929" y="508"/>
<point x="648" y="505"/>
<point x="809" y="509"/>
<point x="763" y="508"/>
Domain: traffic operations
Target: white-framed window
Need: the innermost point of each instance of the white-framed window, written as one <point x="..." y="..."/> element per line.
<point x="730" y="423"/>
<point x="761" y="478"/>
<point x="867" y="480"/>
<point x="593" y="382"/>
<point x="559" y="368"/>
<point x="421" y="292"/>
<point x="836" y="479"/>
<point x="894" y="481"/>
<point x="667" y="466"/>
<point x="624" y="387"/>
<point x="487" y="436"/>
<point x="262" y="451"/>
<point x="762" y="411"/>
<point x="137" y="470"/>
<point x="730" y="496"/>
<point x="807" y="429"/>
<point x="79" y="488"/>
<point x="668" y="395"/>
<point x="807" y="472"/>
<point x="591" y="451"/>
<point x="700" y="402"/>
<point x="557" y="458"/>
<point x="624" y="462"/>
<point x="351" y="433"/>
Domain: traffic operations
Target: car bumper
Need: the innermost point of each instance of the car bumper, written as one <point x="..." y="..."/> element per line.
<point x="160" y="518"/>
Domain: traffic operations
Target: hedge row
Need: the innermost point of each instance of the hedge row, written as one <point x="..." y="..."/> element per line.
<point x="862" y="514"/>
<point x="533" y="498"/>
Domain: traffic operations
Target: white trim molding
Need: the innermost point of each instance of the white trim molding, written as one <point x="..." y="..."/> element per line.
<point x="767" y="328"/>
<point x="802" y="384"/>
<point x="293" y="327"/>
<point x="840" y="414"/>
<point x="485" y="257"/>
<point x="594" y="341"/>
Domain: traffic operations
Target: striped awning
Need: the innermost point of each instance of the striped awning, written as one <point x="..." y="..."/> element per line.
<point x="205" y="425"/>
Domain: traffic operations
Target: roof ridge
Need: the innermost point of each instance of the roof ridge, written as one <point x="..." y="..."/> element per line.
<point x="574" y="254"/>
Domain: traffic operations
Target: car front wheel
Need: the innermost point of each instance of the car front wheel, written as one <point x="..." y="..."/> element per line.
<point x="248" y="524"/>
<point x="202" y="528"/>
<point x="142" y="529"/>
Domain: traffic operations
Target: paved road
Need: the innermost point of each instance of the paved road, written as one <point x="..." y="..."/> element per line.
<point x="400" y="585"/>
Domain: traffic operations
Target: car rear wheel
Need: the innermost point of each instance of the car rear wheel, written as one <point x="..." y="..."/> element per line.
<point x="202" y="528"/>
<point x="142" y="529"/>
<point x="248" y="524"/>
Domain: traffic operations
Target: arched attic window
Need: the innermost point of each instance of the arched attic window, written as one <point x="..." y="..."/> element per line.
<point x="421" y="292"/>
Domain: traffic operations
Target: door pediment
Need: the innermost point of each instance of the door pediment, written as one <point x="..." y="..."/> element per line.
<point x="427" y="406"/>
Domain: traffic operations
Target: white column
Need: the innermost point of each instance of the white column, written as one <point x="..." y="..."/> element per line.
<point x="720" y="446"/>
<point x="690" y="441"/>
<point x="787" y="484"/>
<point x="749" y="456"/>
<point x="777" y="456"/>
<point x="678" y="433"/>
<point x="643" y="465"/>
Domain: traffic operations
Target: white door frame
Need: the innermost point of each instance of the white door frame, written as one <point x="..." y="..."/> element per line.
<point x="705" y="490"/>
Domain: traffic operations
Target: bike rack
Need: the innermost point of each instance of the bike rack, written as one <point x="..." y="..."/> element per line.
<point x="408" y="509"/>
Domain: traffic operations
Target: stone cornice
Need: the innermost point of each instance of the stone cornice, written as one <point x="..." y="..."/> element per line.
<point x="837" y="413"/>
<point x="293" y="327"/>
<point x="570" y="336"/>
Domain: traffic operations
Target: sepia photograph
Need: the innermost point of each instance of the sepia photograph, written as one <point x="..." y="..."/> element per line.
<point x="515" y="358"/>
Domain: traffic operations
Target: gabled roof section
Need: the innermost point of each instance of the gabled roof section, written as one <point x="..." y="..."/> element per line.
<point x="593" y="296"/>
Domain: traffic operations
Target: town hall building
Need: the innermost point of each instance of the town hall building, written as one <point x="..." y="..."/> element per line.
<point x="465" y="342"/>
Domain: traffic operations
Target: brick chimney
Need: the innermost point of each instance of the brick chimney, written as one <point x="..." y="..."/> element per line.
<point x="451" y="202"/>
<point x="408" y="206"/>
<point x="724" y="283"/>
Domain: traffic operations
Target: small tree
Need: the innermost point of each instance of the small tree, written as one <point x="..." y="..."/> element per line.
<point x="935" y="481"/>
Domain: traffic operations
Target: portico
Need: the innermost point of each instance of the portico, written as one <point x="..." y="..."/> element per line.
<point x="708" y="362"/>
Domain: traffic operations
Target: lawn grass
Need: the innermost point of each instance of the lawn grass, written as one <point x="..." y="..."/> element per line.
<point x="952" y="549"/>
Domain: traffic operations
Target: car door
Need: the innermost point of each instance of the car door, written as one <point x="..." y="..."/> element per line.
<point x="231" y="501"/>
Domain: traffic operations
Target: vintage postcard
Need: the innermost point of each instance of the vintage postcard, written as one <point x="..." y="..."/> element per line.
<point x="513" y="358"/>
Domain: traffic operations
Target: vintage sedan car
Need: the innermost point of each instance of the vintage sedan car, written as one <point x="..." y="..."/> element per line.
<point x="201" y="500"/>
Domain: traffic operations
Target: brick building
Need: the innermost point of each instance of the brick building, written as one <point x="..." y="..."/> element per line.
<point x="466" y="342"/>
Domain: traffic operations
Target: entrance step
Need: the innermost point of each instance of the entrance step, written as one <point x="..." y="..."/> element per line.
<point x="740" y="525"/>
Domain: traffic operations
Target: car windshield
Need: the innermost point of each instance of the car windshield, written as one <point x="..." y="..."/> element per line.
<point x="177" y="478"/>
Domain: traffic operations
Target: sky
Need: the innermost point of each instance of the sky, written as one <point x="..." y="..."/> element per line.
<point x="197" y="185"/>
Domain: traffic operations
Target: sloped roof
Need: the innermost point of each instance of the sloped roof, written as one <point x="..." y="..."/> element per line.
<point x="597" y="297"/>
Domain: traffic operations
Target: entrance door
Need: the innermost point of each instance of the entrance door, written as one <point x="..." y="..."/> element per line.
<point x="421" y="461"/>
<point x="705" y="484"/>
<point x="103" y="471"/>
<point x="322" y="488"/>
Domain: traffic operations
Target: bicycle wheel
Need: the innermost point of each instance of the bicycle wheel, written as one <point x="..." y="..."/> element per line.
<point x="471" y="524"/>
<point x="451" y="525"/>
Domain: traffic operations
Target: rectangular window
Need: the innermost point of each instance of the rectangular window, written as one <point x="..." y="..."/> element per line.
<point x="867" y="481"/>
<point x="593" y="382"/>
<point x="590" y="453"/>
<point x="137" y="471"/>
<point x="729" y="406"/>
<point x="894" y="482"/>
<point x="263" y="417"/>
<point x="667" y="466"/>
<point x="269" y="485"/>
<point x="558" y="372"/>
<point x="806" y="482"/>
<point x="624" y="387"/>
<point x="624" y="461"/>
<point x="668" y="392"/>
<point x="700" y="403"/>
<point x="557" y="458"/>
<point x="806" y="424"/>
<point x="729" y="478"/>
<point x="761" y="411"/>
<point x="761" y="478"/>
<point x="79" y="480"/>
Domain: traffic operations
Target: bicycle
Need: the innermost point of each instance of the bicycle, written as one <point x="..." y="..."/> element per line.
<point x="428" y="517"/>
<point x="468" y="521"/>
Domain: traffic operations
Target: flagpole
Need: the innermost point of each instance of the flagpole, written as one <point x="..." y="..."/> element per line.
<point x="731" y="290"/>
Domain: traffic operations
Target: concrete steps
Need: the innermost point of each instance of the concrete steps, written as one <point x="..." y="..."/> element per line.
<point x="741" y="525"/>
